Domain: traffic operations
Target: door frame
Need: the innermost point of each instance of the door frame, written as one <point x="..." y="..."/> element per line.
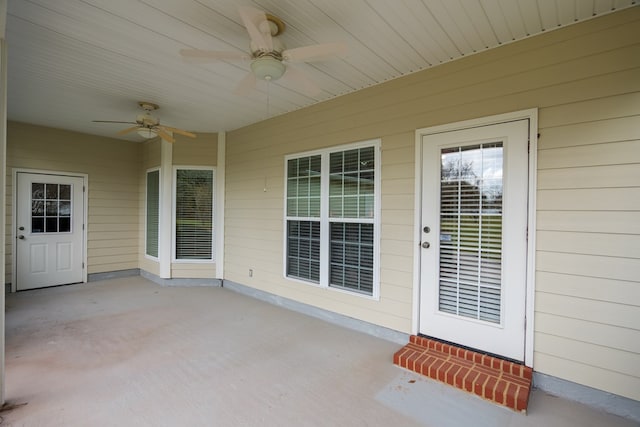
<point x="14" y="213"/>
<point x="532" y="116"/>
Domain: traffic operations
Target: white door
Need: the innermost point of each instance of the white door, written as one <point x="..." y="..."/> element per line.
<point x="49" y="234"/>
<point x="474" y="231"/>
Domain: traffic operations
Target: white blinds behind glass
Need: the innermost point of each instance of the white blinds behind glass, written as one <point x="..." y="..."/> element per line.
<point x="153" y="212"/>
<point x="470" y="273"/>
<point x="194" y="214"/>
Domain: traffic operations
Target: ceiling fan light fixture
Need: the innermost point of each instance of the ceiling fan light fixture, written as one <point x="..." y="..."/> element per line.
<point x="267" y="68"/>
<point x="147" y="133"/>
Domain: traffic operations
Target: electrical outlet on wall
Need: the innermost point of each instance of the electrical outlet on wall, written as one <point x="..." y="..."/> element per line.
<point x="251" y="272"/>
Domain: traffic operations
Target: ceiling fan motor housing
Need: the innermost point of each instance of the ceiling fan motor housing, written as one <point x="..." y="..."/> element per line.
<point x="146" y="120"/>
<point x="268" y="68"/>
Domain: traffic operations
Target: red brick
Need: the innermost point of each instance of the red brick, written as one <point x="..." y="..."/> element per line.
<point x="442" y="371"/>
<point x="487" y="360"/>
<point x="527" y="372"/>
<point x="486" y="370"/>
<point x="464" y="362"/>
<point x="458" y="381"/>
<point x="398" y="358"/>
<point x="405" y="357"/>
<point x="452" y="374"/>
<point x="477" y="357"/>
<point x="516" y="380"/>
<point x="522" y="398"/>
<point x="415" y="347"/>
<point x="512" y="389"/>
<point x="500" y="389"/>
<point x="469" y="380"/>
<point x="424" y="368"/>
<point x="489" y="388"/>
<point x="478" y="384"/>
<point x="496" y="363"/>
<point x="417" y="363"/>
<point x="435" y="366"/>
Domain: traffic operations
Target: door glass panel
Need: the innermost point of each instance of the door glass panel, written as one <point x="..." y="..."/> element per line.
<point x="50" y="208"/>
<point x="470" y="271"/>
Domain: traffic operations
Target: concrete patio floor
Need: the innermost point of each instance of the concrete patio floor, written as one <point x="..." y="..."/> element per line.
<point x="128" y="352"/>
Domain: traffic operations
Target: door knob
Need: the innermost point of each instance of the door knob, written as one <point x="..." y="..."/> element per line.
<point x="425" y="245"/>
<point x="21" y="237"/>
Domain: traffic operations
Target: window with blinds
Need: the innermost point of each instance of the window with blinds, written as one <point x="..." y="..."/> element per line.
<point x="331" y="203"/>
<point x="194" y="214"/>
<point x="153" y="213"/>
<point x="352" y="196"/>
<point x="303" y="213"/>
<point x="470" y="273"/>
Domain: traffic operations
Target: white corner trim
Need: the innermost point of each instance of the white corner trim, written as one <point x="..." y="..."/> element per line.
<point x="165" y="233"/>
<point x="219" y="199"/>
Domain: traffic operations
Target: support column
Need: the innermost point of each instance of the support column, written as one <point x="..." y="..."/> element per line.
<point x="219" y="205"/>
<point x="3" y="186"/>
<point x="166" y="203"/>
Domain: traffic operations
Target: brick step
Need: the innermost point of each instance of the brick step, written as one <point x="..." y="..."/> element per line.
<point x="501" y="381"/>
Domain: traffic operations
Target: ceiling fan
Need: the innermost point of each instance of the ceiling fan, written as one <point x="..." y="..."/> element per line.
<point x="270" y="60"/>
<point x="148" y="126"/>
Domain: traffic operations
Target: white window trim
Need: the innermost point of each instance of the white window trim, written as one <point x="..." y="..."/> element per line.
<point x="146" y="194"/>
<point x="325" y="220"/>
<point x="212" y="260"/>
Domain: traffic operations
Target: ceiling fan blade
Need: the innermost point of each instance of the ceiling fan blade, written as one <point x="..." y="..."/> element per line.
<point x="204" y="56"/>
<point x="246" y="85"/>
<point x="164" y="135"/>
<point x="178" y="131"/>
<point x="300" y="81"/>
<point x="253" y="20"/>
<point x="113" y="121"/>
<point x="316" y="52"/>
<point x="128" y="130"/>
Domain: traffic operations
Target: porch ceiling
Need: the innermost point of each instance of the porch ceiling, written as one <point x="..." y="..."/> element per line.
<point x="74" y="61"/>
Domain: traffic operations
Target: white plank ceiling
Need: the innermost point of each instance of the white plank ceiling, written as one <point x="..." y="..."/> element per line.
<point x="74" y="61"/>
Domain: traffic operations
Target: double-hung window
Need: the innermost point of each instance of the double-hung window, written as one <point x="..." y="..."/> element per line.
<point x="152" y="213"/>
<point x="332" y="199"/>
<point x="194" y="214"/>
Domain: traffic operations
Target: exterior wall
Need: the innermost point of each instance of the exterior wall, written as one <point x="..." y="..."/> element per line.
<point x="113" y="195"/>
<point x="585" y="80"/>
<point x="588" y="243"/>
<point x="200" y="151"/>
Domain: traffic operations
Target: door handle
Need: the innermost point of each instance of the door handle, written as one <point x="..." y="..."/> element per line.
<point x="21" y="237"/>
<point x="426" y="245"/>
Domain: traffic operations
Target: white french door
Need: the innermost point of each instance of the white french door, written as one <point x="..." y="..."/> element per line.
<point x="474" y="242"/>
<point x="49" y="232"/>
